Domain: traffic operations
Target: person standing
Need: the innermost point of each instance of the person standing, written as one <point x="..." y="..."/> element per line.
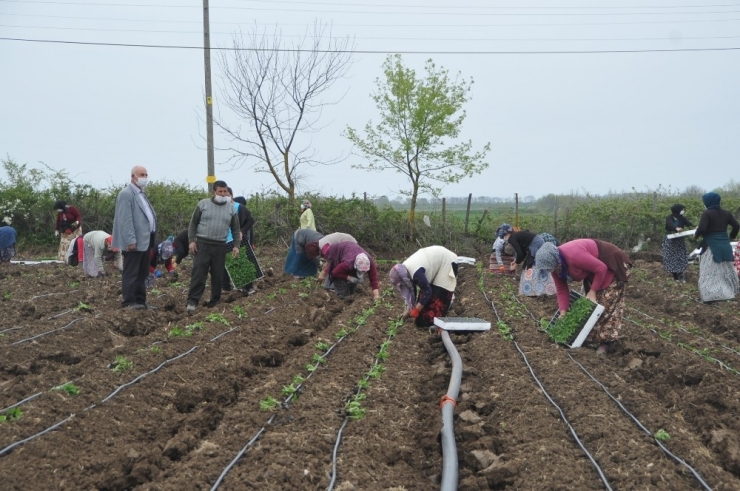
<point x="433" y="270"/>
<point x="307" y="220"/>
<point x="247" y="224"/>
<point x="68" y="226"/>
<point x="97" y="244"/>
<point x="718" y="279"/>
<point x="134" y="233"/>
<point x="604" y="270"/>
<point x="675" y="257"/>
<point x="209" y="226"/>
<point x="8" y="238"/>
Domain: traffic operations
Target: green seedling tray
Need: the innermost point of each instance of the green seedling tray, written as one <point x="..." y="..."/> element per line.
<point x="580" y="334"/>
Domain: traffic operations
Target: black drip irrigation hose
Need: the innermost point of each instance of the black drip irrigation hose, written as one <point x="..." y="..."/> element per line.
<point x="27" y="399"/>
<point x="642" y="427"/>
<point x="11" y="329"/>
<point x="285" y="405"/>
<point x="60" y="423"/>
<point x="333" y="476"/>
<point x="602" y="476"/>
<point x="46" y="333"/>
<point x="683" y="329"/>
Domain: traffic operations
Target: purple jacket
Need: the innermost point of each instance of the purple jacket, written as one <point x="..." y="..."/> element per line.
<point x="340" y="259"/>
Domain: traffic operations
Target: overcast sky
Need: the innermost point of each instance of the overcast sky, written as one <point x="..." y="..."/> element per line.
<point x="594" y="121"/>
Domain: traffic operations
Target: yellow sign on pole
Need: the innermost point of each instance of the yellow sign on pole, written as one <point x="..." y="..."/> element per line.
<point x="209" y="100"/>
<point x="211" y="179"/>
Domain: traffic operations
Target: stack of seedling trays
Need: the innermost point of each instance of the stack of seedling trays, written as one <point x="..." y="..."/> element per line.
<point x="573" y="329"/>
<point x="462" y="324"/>
<point x="685" y="233"/>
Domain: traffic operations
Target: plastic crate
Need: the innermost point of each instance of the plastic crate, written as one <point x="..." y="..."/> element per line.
<point x="462" y="324"/>
<point x="581" y="334"/>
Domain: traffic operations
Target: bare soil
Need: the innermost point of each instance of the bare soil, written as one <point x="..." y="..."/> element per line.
<point x="178" y="428"/>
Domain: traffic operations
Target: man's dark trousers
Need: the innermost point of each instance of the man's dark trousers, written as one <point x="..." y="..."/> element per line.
<point x="134" y="275"/>
<point x="208" y="257"/>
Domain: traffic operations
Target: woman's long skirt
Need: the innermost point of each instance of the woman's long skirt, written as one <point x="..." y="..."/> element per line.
<point x="717" y="281"/>
<point x="438" y="306"/>
<point x="64" y="243"/>
<point x="298" y="264"/>
<point x="609" y="325"/>
<point x="7" y="254"/>
<point x="675" y="257"/>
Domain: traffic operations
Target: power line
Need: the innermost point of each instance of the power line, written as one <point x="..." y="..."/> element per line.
<point x="353" y="4"/>
<point x="559" y="24"/>
<point x="288" y="50"/>
<point x="385" y="38"/>
<point x="517" y="14"/>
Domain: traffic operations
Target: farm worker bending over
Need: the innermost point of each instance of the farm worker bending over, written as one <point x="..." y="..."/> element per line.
<point x="8" y="237"/>
<point x="433" y="270"/>
<point x="162" y="253"/>
<point x="307" y="220"/>
<point x="526" y="244"/>
<point x="134" y="233"/>
<point x="181" y="245"/>
<point x="603" y="268"/>
<point x="331" y="239"/>
<point x="675" y="257"/>
<point x="303" y="255"/>
<point x="501" y="247"/>
<point x="68" y="225"/>
<point x="346" y="265"/>
<point x="209" y="226"/>
<point x="717" y="277"/>
<point x="97" y="245"/>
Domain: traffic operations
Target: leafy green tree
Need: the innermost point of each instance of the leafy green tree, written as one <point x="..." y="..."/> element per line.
<point x="419" y="117"/>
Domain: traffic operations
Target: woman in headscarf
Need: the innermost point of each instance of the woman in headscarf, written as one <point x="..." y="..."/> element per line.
<point x="8" y="237"/>
<point x="525" y="245"/>
<point x="97" y="245"/>
<point x="346" y="266"/>
<point x="675" y="257"/>
<point x="718" y="279"/>
<point x="68" y="226"/>
<point x="501" y="248"/>
<point x="307" y="220"/>
<point x="433" y="270"/>
<point x="303" y="255"/>
<point x="603" y="268"/>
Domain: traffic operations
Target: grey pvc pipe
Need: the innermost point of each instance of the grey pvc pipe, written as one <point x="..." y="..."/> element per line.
<point x="450" y="469"/>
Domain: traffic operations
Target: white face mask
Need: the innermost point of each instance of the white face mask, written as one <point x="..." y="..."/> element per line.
<point x="682" y="212"/>
<point x="60" y="210"/>
<point x="142" y="182"/>
<point x="221" y="199"/>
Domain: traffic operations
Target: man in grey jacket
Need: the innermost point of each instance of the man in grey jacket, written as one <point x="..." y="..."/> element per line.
<point x="209" y="227"/>
<point x="134" y="233"/>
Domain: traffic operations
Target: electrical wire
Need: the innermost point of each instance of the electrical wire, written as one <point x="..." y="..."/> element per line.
<point x="683" y="38"/>
<point x="466" y="26"/>
<point x="495" y="8"/>
<point x="363" y="12"/>
<point x="383" y="52"/>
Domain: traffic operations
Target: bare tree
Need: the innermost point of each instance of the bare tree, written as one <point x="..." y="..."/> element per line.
<point x="277" y="94"/>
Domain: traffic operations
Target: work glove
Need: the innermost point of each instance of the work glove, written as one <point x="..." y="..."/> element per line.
<point x="158" y="273"/>
<point x="67" y="232"/>
<point x="352" y="279"/>
<point x="502" y="269"/>
<point x="56" y="233"/>
<point x="414" y="313"/>
<point x="75" y="225"/>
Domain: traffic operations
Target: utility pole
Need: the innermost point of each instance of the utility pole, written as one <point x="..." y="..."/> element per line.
<point x="209" y="98"/>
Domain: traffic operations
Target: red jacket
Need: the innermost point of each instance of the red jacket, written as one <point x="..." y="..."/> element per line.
<point x="66" y="218"/>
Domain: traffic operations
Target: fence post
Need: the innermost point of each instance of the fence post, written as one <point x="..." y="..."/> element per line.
<point x="555" y="218"/>
<point x="364" y="204"/>
<point x="444" y="208"/>
<point x="516" y="211"/>
<point x="467" y="214"/>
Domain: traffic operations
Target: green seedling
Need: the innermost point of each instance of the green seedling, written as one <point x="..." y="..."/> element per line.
<point x="176" y="284"/>
<point x="82" y="307"/>
<point x="288" y="390"/>
<point x="282" y="291"/>
<point x="318" y="359"/>
<point x="342" y="332"/>
<point x="363" y="384"/>
<point x="241" y="269"/>
<point x="156" y="350"/>
<point x="298" y="380"/>
<point x="239" y="311"/>
<point x="11" y="415"/>
<point x="196" y="326"/>
<point x="217" y="317"/>
<point x="269" y="403"/>
<point x="665" y="335"/>
<point x="176" y="332"/>
<point x="7" y="296"/>
<point x="74" y="284"/>
<point x="122" y="364"/>
<point x="322" y="346"/>
<point x="293" y="286"/>
<point x="306" y="282"/>
<point x="156" y="291"/>
<point x="70" y="388"/>
<point x="304" y="295"/>
<point x="354" y="407"/>
<point x="505" y="330"/>
<point x="568" y="325"/>
<point x="662" y="435"/>
<point x="271" y="296"/>
<point x="311" y="368"/>
<point x="376" y="371"/>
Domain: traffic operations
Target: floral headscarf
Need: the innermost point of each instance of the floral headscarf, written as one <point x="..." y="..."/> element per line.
<point x="504" y="229"/>
<point x="312" y="250"/>
<point x="401" y="281"/>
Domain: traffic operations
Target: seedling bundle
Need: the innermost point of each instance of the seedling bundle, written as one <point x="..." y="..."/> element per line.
<point x="573" y="329"/>
<point x="245" y="268"/>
